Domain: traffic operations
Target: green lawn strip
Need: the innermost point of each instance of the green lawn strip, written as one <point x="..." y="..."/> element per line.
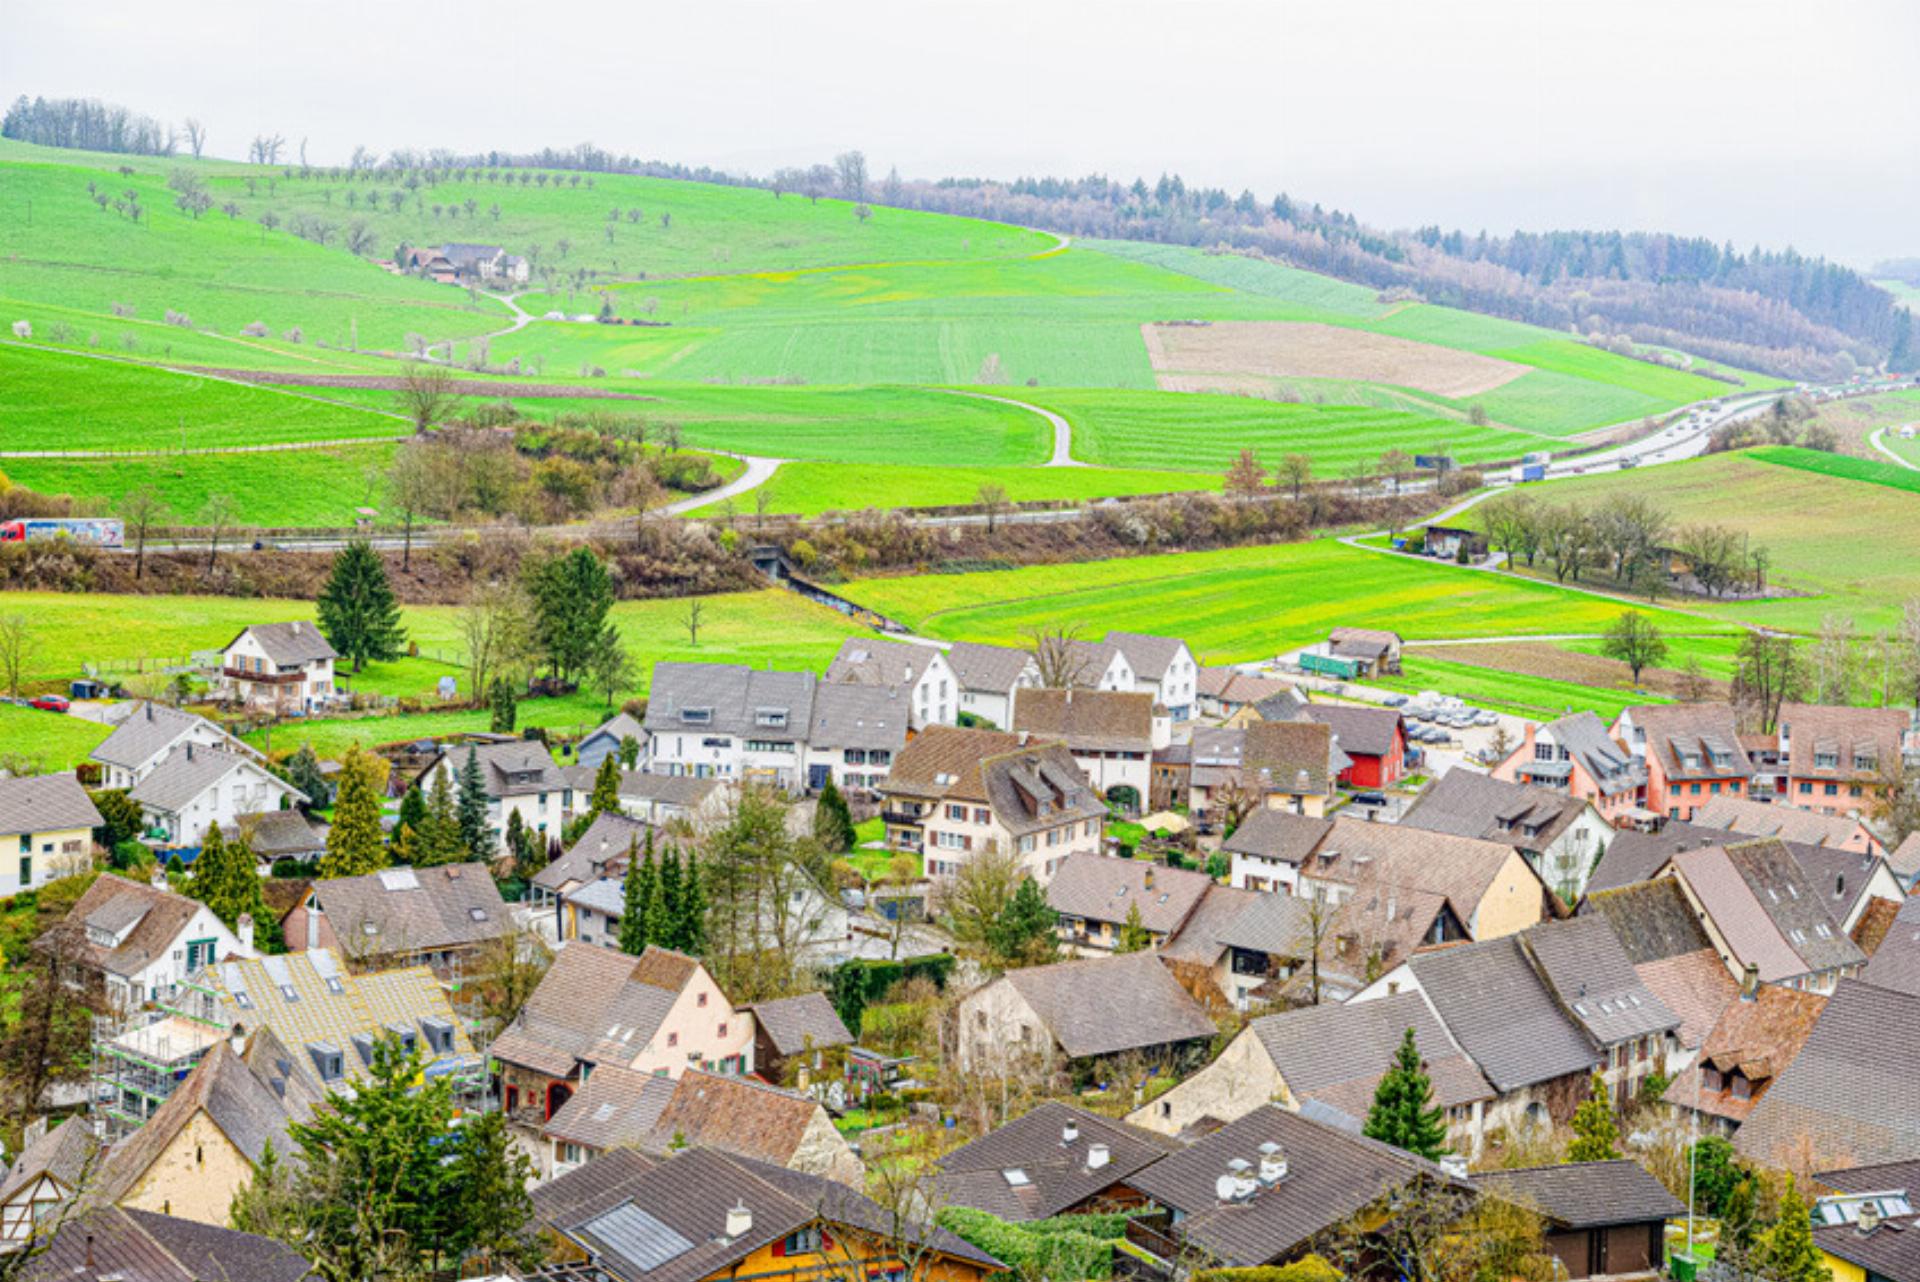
<point x="1844" y="466"/>
<point x="151" y="340"/>
<point x="1244" y="603"/>
<point x="51" y="740"/>
<point x="808" y="489"/>
<point x="289" y="488"/>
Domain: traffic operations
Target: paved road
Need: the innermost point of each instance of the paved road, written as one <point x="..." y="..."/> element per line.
<point x="1881" y="445"/>
<point x="1062" y="430"/>
<point x="759" y="472"/>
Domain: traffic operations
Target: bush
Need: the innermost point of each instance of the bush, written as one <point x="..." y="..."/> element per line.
<point x="256" y="330"/>
<point x="1029" y="1249"/>
<point x="857" y="984"/>
<point x="1309" y="1268"/>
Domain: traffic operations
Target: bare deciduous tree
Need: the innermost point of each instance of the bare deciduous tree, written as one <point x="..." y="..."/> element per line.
<point x="16" y="648"/>
<point x="1057" y="654"/>
<point x="693" y="617"/>
<point x="427" y="394"/>
<point x="196" y="136"/>
<point x="218" y="514"/>
<point x="142" y="509"/>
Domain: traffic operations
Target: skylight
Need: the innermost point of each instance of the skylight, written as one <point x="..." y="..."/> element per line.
<point x="1016" y="1178"/>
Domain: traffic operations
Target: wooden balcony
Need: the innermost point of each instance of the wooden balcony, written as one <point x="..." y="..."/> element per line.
<point x="264" y="678"/>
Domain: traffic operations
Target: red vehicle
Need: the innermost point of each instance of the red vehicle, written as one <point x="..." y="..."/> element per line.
<point x="51" y="703"/>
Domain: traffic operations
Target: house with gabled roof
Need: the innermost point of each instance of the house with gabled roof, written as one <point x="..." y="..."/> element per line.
<point x="658" y="1012"/>
<point x="605" y="740"/>
<point x="1053" y="1160"/>
<point x="791" y="1036"/>
<point x="1095" y="894"/>
<point x="1269" y="848"/>
<point x="1225" y="692"/>
<point x="730" y="721"/>
<point x="280" y="669"/>
<point x="1896" y="962"/>
<point x="143" y="940"/>
<point x="1558" y="833"/>
<point x="46" y="830"/>
<point x="1334" y="1055"/>
<point x="1112" y="735"/>
<point x="1751" y="1043"/>
<point x="1246" y="945"/>
<point x="196" y="787"/>
<point x="1575" y="755"/>
<point x="1080" y="1013"/>
<point x="1490" y="887"/>
<point x="147" y="736"/>
<point x="49" y="1172"/>
<point x="703" y="1215"/>
<point x="1693" y="753"/>
<point x="921" y="674"/>
<point x="1598" y="1219"/>
<point x="142" y="1246"/>
<point x="442" y="917"/>
<point x="1374" y="741"/>
<point x="1292" y="765"/>
<point x="855" y="733"/>
<point x="1838" y="759"/>
<point x="990" y="679"/>
<point x="518" y="776"/>
<point x="1762" y="913"/>
<point x="659" y="800"/>
<point x="1162" y="667"/>
<point x="1097" y="665"/>
<point x="1790" y="821"/>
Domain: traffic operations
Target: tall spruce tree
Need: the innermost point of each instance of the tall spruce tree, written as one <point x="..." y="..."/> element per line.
<point x="605" y="799"/>
<point x="1595" y="1133"/>
<point x="1403" y="1113"/>
<point x="639" y="895"/>
<point x="438" y="840"/>
<point x="664" y="927"/>
<point x="571" y="597"/>
<point x="227" y="880"/>
<point x="833" y="821"/>
<point x="503" y="706"/>
<point x="355" y="844"/>
<point x="1787" y="1252"/>
<point x="1022" y="933"/>
<point x="359" y="615"/>
<point x="303" y="772"/>
<point x="413" y="812"/>
<point x="475" y="834"/>
<point x="691" y="937"/>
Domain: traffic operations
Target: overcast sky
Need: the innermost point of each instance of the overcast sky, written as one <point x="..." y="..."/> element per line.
<point x="1776" y="121"/>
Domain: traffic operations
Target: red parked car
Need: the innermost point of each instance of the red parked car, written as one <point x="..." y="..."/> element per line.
<point x="51" y="703"/>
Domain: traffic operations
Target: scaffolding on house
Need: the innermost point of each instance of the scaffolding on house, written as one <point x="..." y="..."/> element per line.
<point x="139" y="1060"/>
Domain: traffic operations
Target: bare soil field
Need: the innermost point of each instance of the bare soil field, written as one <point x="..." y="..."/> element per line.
<point x="1302" y="349"/>
<point x="1544" y="659"/>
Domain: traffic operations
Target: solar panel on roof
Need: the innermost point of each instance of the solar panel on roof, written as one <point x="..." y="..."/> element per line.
<point x="637" y="1236"/>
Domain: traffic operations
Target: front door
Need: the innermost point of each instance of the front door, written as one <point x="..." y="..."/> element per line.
<point x="817" y="777"/>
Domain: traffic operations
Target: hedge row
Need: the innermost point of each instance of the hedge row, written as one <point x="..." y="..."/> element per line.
<point x="1029" y="1250"/>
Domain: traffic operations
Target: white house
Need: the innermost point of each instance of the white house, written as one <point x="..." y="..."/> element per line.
<point x="989" y="678"/>
<point x="143" y="940"/>
<point x="282" y="668"/>
<point x="1112" y="735"/>
<point x="1099" y="665"/>
<point x="519" y="777"/>
<point x="148" y="734"/>
<point x="1162" y="667"/>
<point x="196" y="786"/>
<point x="730" y="722"/>
<point x="921" y="670"/>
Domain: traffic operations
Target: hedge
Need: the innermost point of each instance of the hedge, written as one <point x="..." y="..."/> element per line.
<point x="1308" y="1268"/>
<point x="858" y="983"/>
<point x="1029" y="1249"/>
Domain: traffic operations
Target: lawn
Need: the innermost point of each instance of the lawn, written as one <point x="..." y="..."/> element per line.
<point x="1540" y="698"/>
<point x="1243" y="603"/>
<point x="291" y="488"/>
<point x="1848" y="548"/>
<point x="1843" y="466"/>
<point x="809" y="489"/>
<point x="50" y="740"/>
<point x="65" y="401"/>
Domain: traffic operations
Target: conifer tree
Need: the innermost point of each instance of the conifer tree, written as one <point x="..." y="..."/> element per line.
<point x="1134" y="935"/>
<point x="519" y="842"/>
<point x="1403" y="1112"/>
<point x="413" y="812"/>
<point x="437" y="841"/>
<point x="1594" y="1131"/>
<point x="355" y="844"/>
<point x="303" y="772"/>
<point x="833" y="821"/>
<point x="605" y="799"/>
<point x="1022" y="933"/>
<point x="639" y="894"/>
<point x="358" y="613"/>
<point x="1787" y="1252"/>
<point x="503" y="706"/>
<point x="476" y="836"/>
<point x="692" y="936"/>
<point x="664" y="927"/>
<point x="629" y="752"/>
<point x="226" y="879"/>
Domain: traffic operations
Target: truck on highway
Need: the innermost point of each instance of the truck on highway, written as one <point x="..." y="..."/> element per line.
<point x="1529" y="472"/>
<point x="102" y="532"/>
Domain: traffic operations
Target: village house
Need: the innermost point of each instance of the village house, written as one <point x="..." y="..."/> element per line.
<point x="1837" y="760"/>
<point x="854" y="736"/>
<point x="1350" y="653"/>
<point x="954" y="793"/>
<point x="728" y="721"/>
<point x="280" y="669"/>
<point x="702" y="1215"/>
<point x="658" y="1012"/>
<point x="1291" y="765"/>
<point x="1760" y="911"/>
<point x="48" y="1173"/>
<point x="1269" y="847"/>
<point x="1693" y="753"/>
<point x="1096" y="894"/>
<point x="1097" y="665"/>
<point x="1225" y="692"/>
<point x="1905" y="861"/>
<point x="989" y="679"/>
<point x="1574" y="755"/>
<point x="1248" y="946"/>
<point x="197" y="787"/>
<point x="46" y="831"/>
<point x="920" y="673"/>
<point x="1262" y="1189"/>
<point x="1332" y="1055"/>
<point x="276" y="835"/>
<point x="518" y="777"/>
<point x="1671" y="953"/>
<point x="658" y="1115"/>
<point x="443" y="917"/>
<point x="660" y="800"/>
<point x="1558" y="833"/>
<point x="455" y="261"/>
<point x="1213" y="782"/>
<point x="1053" y="1160"/>
<point x="793" y="1035"/>
<point x="601" y="852"/>
<point x="1846" y="1099"/>
<point x="1789" y="821"/>
<point x="1599" y="1219"/>
<point x="142" y="1246"/>
<point x="1489" y="887"/>
<point x="147" y="735"/>
<point x="1895" y="963"/>
<point x="1374" y="741"/>
<point x="142" y="940"/>
<point x="1162" y="667"/>
<point x="1864" y="1227"/>
<point x="1756" y="1036"/>
<point x="1112" y="736"/>
<point x="607" y="740"/>
<point x="1080" y="1013"/>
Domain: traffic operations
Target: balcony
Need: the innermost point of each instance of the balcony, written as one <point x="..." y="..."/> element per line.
<point x="265" y="678"/>
<point x="902" y="818"/>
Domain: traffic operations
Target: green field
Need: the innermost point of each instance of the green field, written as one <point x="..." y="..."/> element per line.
<point x="1843" y="466"/>
<point x="290" y="488"/>
<point x="1900" y="289"/>
<point x="1521" y="694"/>
<point x="49" y="740"/>
<point x="1848" y="548"/>
<point x="1243" y="603"/>
<point x="62" y="401"/>
<point x="808" y="489"/>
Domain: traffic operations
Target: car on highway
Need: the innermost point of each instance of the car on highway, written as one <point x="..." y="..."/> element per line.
<point x="51" y="703"/>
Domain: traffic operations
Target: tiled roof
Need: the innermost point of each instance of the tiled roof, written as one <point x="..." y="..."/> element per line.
<point x="1038" y="787"/>
<point x="512" y="769"/>
<point x="1841" y="878"/>
<point x="736" y="1115"/>
<point x="1891" y="1251"/>
<point x="1896" y="963"/>
<point x="1905" y="859"/>
<point x="1236" y="688"/>
<point x="112" y="902"/>
<point x="1058" y="1171"/>
<point x="1376" y="638"/>
<point x="1087" y="720"/>
<point x="1110" y="1004"/>
<point x="1282" y="705"/>
<point x="278" y="834"/>
<point x="1632" y="856"/>
<point x="188" y="771"/>
<point x="1103" y="888"/>
<point x="594" y="1005"/>
<point x="620" y="727"/>
<point x="1695" y="986"/>
<point x="1463" y="869"/>
<point x="1578" y="1195"/>
<point x="1274" y="924"/>
<point x="1466" y="803"/>
<point x="683" y="791"/>
<point x="1763" y="819"/>
<point x="1339" y="1053"/>
<point x="1765" y="909"/>
<point x="1364" y="731"/>
<point x="1293" y="757"/>
<point x="945" y="761"/>
<point x="600" y="851"/>
<point x="1278" y="834"/>
<point x="1502" y="1014"/>
<point x="1878" y="1178"/>
<point x="1611" y="767"/>
<point x="291" y="645"/>
<point x="149" y="729"/>
<point x="1701" y="731"/>
<point x="66" y="1153"/>
<point x="1332" y="1174"/>
<point x="244" y="1107"/>
<point x="1759" y="1038"/>
<point x="1652" y="919"/>
<point x="989" y="669"/>
<point x="873" y="661"/>
<point x="44" y="803"/>
<point x="729" y="699"/>
<point x="1090" y="661"/>
<point x="793" y="1024"/>
<point x="414" y="910"/>
<point x="1199" y="939"/>
<point x="1148" y="655"/>
<point x="139" y="1246"/>
<point x="859" y="716"/>
<point x="1583" y="961"/>
<point x="1863" y="741"/>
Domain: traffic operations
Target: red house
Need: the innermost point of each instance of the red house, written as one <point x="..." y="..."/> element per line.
<point x="1375" y="739"/>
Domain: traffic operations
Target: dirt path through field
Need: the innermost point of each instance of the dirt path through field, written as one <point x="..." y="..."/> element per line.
<point x="1062" y="430"/>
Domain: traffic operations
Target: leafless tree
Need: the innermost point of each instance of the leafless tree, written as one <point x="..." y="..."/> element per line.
<point x="1393" y="465"/>
<point x="218" y="514"/>
<point x="196" y="136"/>
<point x="410" y="489"/>
<point x="497" y="625"/>
<point x="142" y="509"/>
<point x="993" y="497"/>
<point x="692" y="618"/>
<point x="16" y="649"/>
<point x="1056" y="652"/>
<point x="265" y="149"/>
<point x="1294" y="472"/>
<point x="427" y="394"/>
<point x="850" y="170"/>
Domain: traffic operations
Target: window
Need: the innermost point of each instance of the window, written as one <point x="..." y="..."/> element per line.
<point x="696" y="716"/>
<point x="673" y="1039"/>
<point x="700" y="1001"/>
<point x="723" y="1030"/>
<point x="1716" y="789"/>
<point x="1710" y="1079"/>
<point x="957" y="813"/>
<point x="805" y="1242"/>
<point x="1026" y="844"/>
<point x="982" y="815"/>
<point x="1742" y="1088"/>
<point x="1832" y="790"/>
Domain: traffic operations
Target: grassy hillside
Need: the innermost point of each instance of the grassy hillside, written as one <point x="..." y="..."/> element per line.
<point x="319" y="487"/>
<point x="808" y="489"/>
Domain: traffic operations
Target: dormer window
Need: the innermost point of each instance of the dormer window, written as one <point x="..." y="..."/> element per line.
<point x="1826" y="760"/>
<point x="1865" y="761"/>
<point x="772" y="718"/>
<point x="696" y="716"/>
<point x="1710" y="1079"/>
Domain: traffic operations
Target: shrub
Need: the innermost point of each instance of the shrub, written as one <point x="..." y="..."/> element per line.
<point x="1310" y="1268"/>
<point x="1028" y="1249"/>
<point x="257" y="329"/>
<point x="293" y="335"/>
<point x="858" y="983"/>
<point x="181" y="319"/>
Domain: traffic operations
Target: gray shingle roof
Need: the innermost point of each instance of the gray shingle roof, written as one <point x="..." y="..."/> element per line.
<point x="1111" y="1004"/>
<point x="859" y="716"/>
<point x="1148" y="655"/>
<point x="1765" y="909"/>
<point x="1652" y="920"/>
<point x="1058" y="1171"/>
<point x="1366" y="731"/>
<point x="1036" y="788"/>
<point x="1891" y="1251"/>
<point x="1290" y="757"/>
<point x="1103" y="888"/>
<point x="408" y="910"/>
<point x="586" y="992"/>
<point x="614" y="1108"/>
<point x="146" y="731"/>
<point x="188" y="771"/>
<point x="245" y="1108"/>
<point x="1612" y="768"/>
<point x="1896" y="963"/>
<point x="290" y="645"/>
<point x="681" y="791"/>
<point x="1275" y="924"/>
<point x="1502" y="1014"/>
<point x="1581" y="1195"/>
<point x="512" y="769"/>
<point x="990" y="669"/>
<point x="141" y="1246"/>
<point x="44" y="803"/>
<point x="602" y="849"/>
<point x="1583" y="961"/>
<point x="793" y="1024"/>
<point x="66" y="1153"/>
<point x="620" y="726"/>
<point x="730" y="699"/>
<point x="1463" y="869"/>
<point x="1905" y="859"/>
<point x="1700" y="731"/>
<point x="1339" y="1053"/>
<point x="1467" y="803"/>
<point x="1763" y="819"/>
<point x="874" y="661"/>
<point x="1278" y="834"/>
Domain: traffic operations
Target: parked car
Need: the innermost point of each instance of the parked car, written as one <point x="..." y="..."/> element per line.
<point x="1369" y="798"/>
<point x="1394" y="700"/>
<point x="51" y="703"/>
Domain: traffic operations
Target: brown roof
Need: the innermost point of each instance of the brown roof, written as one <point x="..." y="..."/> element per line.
<point x="1038" y="787"/>
<point x="284" y="894"/>
<point x="614" y="1108"/>
<point x="1289" y="756"/>
<point x="1467" y="803"/>
<point x="1367" y="731"/>
<point x="1103" y="888"/>
<point x="1587" y="1194"/>
<point x="143" y="1246"/>
<point x="1758" y="1038"/>
<point x="944" y="761"/>
<point x="665" y="968"/>
<point x="1896" y="962"/>
<point x="1652" y="919"/>
<point x="1201" y="938"/>
<point x="1110" y="1004"/>
<point x="793" y="1024"/>
<point x="1088" y="720"/>
<point x="414" y="910"/>
<point x="64" y="1153"/>
<point x="1765" y="819"/>
<point x="1766" y="910"/>
<point x="1337" y="1054"/>
<point x="1905" y="860"/>
<point x="1051" y="1146"/>
<point x="1463" y="869"/>
<point x="1695" y="986"/>
<point x="112" y="902"/>
<point x="1233" y="687"/>
<point x="1701" y="730"/>
<point x="736" y="1115"/>
<point x="1278" y="834"/>
<point x="1875" y="921"/>
<point x="1865" y="741"/>
<point x="594" y="1005"/>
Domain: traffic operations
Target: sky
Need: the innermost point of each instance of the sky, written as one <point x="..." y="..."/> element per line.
<point x="1755" y="121"/>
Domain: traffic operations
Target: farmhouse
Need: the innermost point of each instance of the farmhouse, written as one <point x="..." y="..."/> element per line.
<point x="1558" y="833"/>
<point x="46" y="830"/>
<point x="519" y="777"/>
<point x="281" y="669"/>
<point x="1374" y="741"/>
<point x="920" y="673"/>
<point x="1055" y="1160"/>
<point x="989" y="678"/>
<point x="197" y="787"/>
<point x="1112" y="736"/>
<point x="1079" y="1013"/>
<point x="1761" y="913"/>
<point x="147" y="736"/>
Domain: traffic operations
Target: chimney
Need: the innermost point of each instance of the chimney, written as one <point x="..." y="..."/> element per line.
<point x="1070" y="1132"/>
<point x="1868" y="1218"/>
<point x="1148" y="874"/>
<point x="1454" y="1164"/>
<point x="1750" y="983"/>
<point x="89" y="1250"/>
<point x="244" y="928"/>
<point x="1273" y="1164"/>
<point x="237" y="1040"/>
<point x="189" y="750"/>
<point x="739" y="1221"/>
<point x="1097" y="1156"/>
<point x="1023" y="738"/>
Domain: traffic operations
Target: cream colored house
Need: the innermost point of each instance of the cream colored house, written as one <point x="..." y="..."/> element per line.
<point x="280" y="668"/>
<point x="48" y="1173"/>
<point x="46" y="830"/>
<point x="519" y="778"/>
